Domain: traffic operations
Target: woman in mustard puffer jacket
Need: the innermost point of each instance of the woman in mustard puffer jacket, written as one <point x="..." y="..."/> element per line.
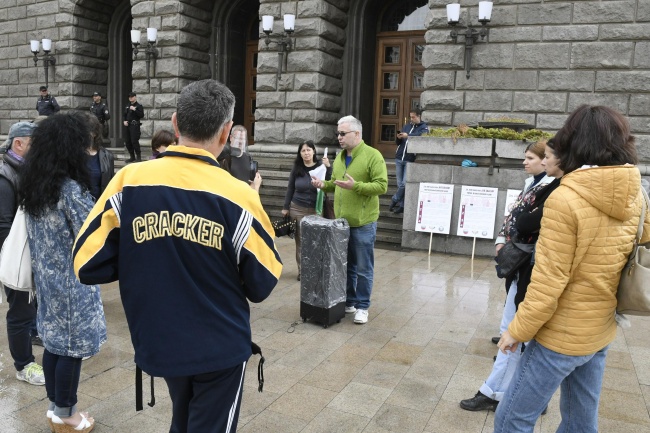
<point x="588" y="229"/>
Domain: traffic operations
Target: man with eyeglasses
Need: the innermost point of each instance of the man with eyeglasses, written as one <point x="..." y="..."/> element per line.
<point x="358" y="179"/>
<point x="46" y="105"/>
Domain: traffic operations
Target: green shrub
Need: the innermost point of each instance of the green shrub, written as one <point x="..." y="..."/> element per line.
<point x="464" y="131"/>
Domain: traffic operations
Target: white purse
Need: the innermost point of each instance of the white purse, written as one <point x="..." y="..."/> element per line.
<point x="633" y="295"/>
<point x="15" y="258"/>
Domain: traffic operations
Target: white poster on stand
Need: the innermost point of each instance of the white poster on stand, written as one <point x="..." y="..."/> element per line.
<point x="511" y="198"/>
<point x="435" y="202"/>
<point x="478" y="208"/>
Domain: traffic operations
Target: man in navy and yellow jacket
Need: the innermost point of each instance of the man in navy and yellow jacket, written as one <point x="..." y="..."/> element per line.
<point x="190" y="245"/>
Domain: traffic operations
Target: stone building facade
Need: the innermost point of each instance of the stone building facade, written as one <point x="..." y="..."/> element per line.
<point x="542" y="59"/>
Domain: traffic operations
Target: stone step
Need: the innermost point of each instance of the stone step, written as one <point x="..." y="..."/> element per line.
<point x="275" y="169"/>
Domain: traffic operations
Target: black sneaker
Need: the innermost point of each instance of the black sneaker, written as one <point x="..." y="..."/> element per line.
<point x="479" y="402"/>
<point x="392" y="206"/>
<point x="36" y="341"/>
<point x="495" y="340"/>
<point x="130" y="160"/>
<point x="398" y="210"/>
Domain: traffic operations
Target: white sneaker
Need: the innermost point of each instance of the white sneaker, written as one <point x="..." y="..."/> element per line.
<point x="351" y="309"/>
<point x="361" y="316"/>
<point x="32" y="374"/>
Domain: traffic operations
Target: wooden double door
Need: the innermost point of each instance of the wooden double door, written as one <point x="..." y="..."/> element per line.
<point x="398" y="85"/>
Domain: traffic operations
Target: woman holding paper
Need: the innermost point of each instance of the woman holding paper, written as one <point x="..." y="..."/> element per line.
<point x="300" y="199"/>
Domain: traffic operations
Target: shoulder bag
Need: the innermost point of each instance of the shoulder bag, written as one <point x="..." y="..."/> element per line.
<point x="15" y="258"/>
<point x="633" y="293"/>
<point x="284" y="227"/>
<point x="511" y="257"/>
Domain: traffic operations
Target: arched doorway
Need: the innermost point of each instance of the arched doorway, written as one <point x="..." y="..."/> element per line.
<point x="120" y="66"/>
<point x="400" y="75"/>
<point x="234" y="56"/>
<point x="374" y="26"/>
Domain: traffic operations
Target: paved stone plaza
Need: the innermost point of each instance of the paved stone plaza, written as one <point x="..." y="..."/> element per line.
<point x="426" y="346"/>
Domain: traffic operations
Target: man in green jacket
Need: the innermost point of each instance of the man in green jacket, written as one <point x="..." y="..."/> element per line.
<point x="358" y="179"/>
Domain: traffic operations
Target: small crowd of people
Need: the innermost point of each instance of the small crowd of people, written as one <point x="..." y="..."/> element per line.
<point x="86" y="226"/>
<point x="580" y="210"/>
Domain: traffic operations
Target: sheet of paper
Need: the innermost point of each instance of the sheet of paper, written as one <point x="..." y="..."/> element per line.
<point x="319" y="172"/>
<point x="511" y="198"/>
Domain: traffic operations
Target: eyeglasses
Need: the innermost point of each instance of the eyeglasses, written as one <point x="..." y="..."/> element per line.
<point x="343" y="133"/>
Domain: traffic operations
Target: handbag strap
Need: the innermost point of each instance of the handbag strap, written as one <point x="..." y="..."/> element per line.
<point x="639" y="231"/>
<point x="644" y="207"/>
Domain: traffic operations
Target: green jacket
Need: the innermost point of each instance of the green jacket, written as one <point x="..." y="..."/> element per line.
<point x="360" y="205"/>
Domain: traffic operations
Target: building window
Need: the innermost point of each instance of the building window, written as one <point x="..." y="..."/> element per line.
<point x="403" y="16"/>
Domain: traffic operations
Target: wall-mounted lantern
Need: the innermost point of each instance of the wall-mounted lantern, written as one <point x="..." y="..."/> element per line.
<point x="47" y="58"/>
<point x="471" y="35"/>
<point x="283" y="41"/>
<point x="150" y="51"/>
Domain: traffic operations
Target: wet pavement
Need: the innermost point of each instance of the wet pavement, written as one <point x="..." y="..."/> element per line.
<point x="426" y="347"/>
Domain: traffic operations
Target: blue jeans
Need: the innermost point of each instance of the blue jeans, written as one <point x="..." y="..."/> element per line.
<point x="400" y="173"/>
<point x="361" y="265"/>
<point x="539" y="373"/>
<point x="61" y="382"/>
<point x="506" y="364"/>
<point x="21" y="319"/>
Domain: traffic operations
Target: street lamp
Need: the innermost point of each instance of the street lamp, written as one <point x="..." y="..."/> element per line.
<point x="48" y="59"/>
<point x="283" y="41"/>
<point x="150" y="51"/>
<point x="471" y="35"/>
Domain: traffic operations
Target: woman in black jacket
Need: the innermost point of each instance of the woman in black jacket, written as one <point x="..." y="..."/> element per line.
<point x="530" y="220"/>
<point x="300" y="199"/>
<point x="101" y="163"/>
<point x="523" y="227"/>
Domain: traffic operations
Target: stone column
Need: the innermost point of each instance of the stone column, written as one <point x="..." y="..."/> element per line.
<point x="305" y="102"/>
<point x="183" y="46"/>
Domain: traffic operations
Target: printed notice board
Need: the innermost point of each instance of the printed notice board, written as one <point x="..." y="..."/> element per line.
<point x="435" y="202"/>
<point x="511" y="198"/>
<point x="478" y="207"/>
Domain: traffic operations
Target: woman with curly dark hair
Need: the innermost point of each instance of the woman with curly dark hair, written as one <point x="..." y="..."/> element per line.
<point x="300" y="199"/>
<point x="54" y="191"/>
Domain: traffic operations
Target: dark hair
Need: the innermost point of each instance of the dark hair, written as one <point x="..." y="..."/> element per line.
<point x="58" y="152"/>
<point x="594" y="135"/>
<point x="553" y="148"/>
<point x="203" y="108"/>
<point x="162" y="137"/>
<point x="417" y="111"/>
<point x="96" y="141"/>
<point x="537" y="148"/>
<point x="299" y="165"/>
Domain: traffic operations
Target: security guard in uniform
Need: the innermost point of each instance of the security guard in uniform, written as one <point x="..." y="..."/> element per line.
<point x="132" y="115"/>
<point x="100" y="110"/>
<point x="46" y="105"/>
